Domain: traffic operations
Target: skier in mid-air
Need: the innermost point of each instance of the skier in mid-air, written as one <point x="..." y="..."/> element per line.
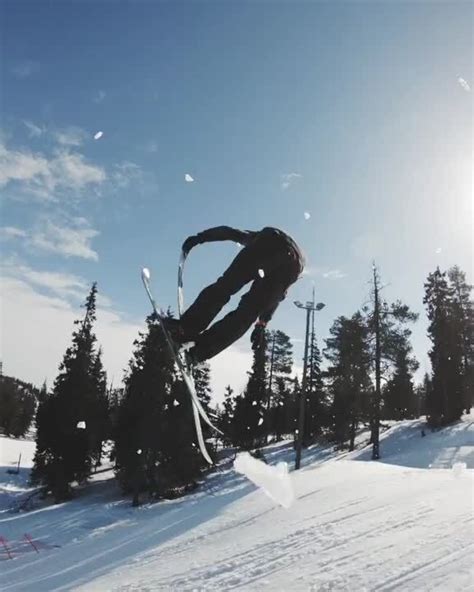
<point x="270" y="259"/>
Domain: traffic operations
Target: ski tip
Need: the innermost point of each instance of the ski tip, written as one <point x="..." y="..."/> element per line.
<point x="146" y="275"/>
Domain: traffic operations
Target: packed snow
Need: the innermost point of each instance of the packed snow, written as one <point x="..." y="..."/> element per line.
<point x="402" y="523"/>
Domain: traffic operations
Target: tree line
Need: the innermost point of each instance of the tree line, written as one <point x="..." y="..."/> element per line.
<point x="363" y="375"/>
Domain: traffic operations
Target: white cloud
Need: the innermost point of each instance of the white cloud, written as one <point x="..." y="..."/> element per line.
<point x="11" y="232"/>
<point x="464" y="84"/>
<point x="70" y="136"/>
<point x="48" y="323"/>
<point x="25" y="69"/>
<point x="188" y="178"/>
<point x="334" y="274"/>
<point x="44" y="176"/>
<point x="21" y="166"/>
<point x="100" y="96"/>
<point x="287" y="179"/>
<point x="34" y="130"/>
<point x="62" y="285"/>
<point x="330" y="274"/>
<point x="71" y="239"/>
<point x="126" y="172"/>
<point x="76" y="171"/>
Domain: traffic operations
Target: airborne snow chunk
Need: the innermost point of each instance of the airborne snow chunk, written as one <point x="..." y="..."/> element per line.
<point x="464" y="84"/>
<point x="261" y="273"/>
<point x="274" y="481"/>
<point x="188" y="178"/>
<point x="98" y="135"/>
<point x="307" y="215"/>
<point x="81" y="425"/>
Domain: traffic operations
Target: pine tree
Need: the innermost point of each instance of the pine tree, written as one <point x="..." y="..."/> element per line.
<point x="17" y="406"/>
<point x="291" y="409"/>
<point x="68" y="434"/>
<point x="155" y="448"/>
<point x="250" y="407"/>
<point x="226" y="417"/>
<point x="348" y="376"/>
<point x="387" y="326"/>
<point x="279" y="367"/>
<point x="202" y="382"/>
<point x="399" y="399"/>
<point x="463" y="318"/>
<point x="316" y="403"/>
<point x="99" y="411"/>
<point x="446" y="399"/>
<point x="421" y="394"/>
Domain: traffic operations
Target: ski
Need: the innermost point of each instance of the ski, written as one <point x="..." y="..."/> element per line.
<point x="182" y="259"/>
<point x="198" y="410"/>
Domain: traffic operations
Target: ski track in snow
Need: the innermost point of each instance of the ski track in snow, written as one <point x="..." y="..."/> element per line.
<point x="355" y="525"/>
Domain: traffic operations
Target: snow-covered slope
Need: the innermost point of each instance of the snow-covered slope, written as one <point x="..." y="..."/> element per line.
<point x="405" y="523"/>
<point x="14" y="487"/>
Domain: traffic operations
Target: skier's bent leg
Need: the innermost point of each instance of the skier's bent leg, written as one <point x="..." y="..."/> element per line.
<point x="212" y="299"/>
<point x="220" y="335"/>
<point x="206" y="306"/>
<point x="226" y="331"/>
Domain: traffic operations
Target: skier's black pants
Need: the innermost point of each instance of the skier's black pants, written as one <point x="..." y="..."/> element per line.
<point x="269" y="255"/>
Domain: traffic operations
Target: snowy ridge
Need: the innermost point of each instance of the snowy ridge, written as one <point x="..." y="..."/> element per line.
<point x="355" y="525"/>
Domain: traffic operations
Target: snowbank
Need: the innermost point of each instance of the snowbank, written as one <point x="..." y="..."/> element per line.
<point x="354" y="525"/>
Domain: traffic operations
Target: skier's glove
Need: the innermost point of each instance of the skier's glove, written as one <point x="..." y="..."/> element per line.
<point x="189" y="243"/>
<point x="257" y="335"/>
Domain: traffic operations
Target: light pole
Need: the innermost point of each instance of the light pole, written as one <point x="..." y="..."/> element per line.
<point x="310" y="308"/>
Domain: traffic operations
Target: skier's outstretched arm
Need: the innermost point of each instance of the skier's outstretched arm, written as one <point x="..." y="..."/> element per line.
<point x="218" y="233"/>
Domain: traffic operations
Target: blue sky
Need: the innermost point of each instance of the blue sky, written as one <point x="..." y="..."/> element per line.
<point x="357" y="114"/>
